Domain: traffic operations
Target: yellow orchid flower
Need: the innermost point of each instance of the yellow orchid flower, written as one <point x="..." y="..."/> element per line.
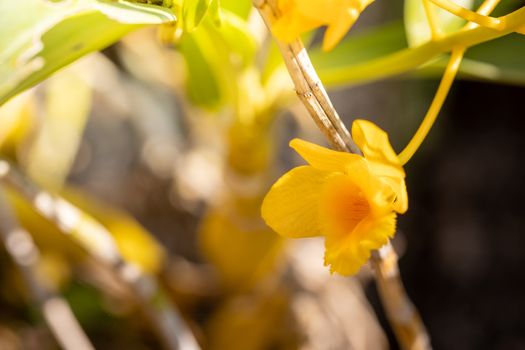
<point x="299" y="16"/>
<point x="382" y="159"/>
<point x="349" y="199"/>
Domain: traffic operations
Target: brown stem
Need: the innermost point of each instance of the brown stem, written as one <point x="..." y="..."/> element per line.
<point x="98" y="242"/>
<point x="402" y="314"/>
<point x="309" y="87"/>
<point x="25" y="254"/>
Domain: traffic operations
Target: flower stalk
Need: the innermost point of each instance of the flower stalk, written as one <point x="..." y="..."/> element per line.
<point x="444" y="87"/>
<point x="435" y="107"/>
<point x="411" y="58"/>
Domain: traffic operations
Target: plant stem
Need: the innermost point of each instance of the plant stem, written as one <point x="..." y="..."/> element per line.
<point x="443" y="90"/>
<point x="98" y="242"/>
<point x="400" y="311"/>
<point x="25" y="254"/>
<point x="309" y="87"/>
<point x="433" y="21"/>
<point x="399" y="308"/>
<point x="471" y="16"/>
<point x="435" y="107"/>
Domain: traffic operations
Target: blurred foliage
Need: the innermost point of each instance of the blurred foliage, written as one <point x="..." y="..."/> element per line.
<point x="238" y="227"/>
<point x="217" y="72"/>
<point x="416" y="21"/>
<point x="42" y="37"/>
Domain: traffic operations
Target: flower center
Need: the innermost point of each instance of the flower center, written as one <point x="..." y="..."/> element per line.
<point x="344" y="206"/>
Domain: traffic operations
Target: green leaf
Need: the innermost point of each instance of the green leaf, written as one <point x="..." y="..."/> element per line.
<point x="215" y="12"/>
<point x="68" y="98"/>
<point x="38" y="37"/>
<point x="214" y="56"/>
<point x="361" y="48"/>
<point x="241" y="8"/>
<point x="416" y="22"/>
<point x="499" y="60"/>
<point x="193" y="12"/>
<point x="236" y="37"/>
<point x="203" y="81"/>
<point x="381" y="53"/>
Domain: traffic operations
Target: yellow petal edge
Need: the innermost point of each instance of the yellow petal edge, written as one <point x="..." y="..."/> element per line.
<point x="299" y="16"/>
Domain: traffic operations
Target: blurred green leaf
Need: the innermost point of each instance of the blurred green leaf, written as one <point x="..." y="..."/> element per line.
<point x="202" y="85"/>
<point x="214" y="55"/>
<point x="215" y="12"/>
<point x="357" y="49"/>
<point x="67" y="106"/>
<point x="416" y="22"/>
<point x="193" y="12"/>
<point x="39" y="37"/>
<point x="382" y="52"/>
<point x="241" y="8"/>
<point x="237" y="38"/>
<point x="499" y="60"/>
<point x="503" y="8"/>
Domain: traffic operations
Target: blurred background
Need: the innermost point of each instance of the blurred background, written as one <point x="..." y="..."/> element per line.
<point x="178" y="183"/>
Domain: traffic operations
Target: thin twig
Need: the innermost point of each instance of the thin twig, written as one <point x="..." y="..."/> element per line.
<point x="309" y="87"/>
<point x="400" y="311"/>
<point x="26" y="256"/>
<point x="98" y="242"/>
<point x="402" y="314"/>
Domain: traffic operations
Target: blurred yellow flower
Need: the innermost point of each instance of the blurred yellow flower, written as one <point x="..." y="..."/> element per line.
<point x="349" y="199"/>
<point x="299" y="16"/>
